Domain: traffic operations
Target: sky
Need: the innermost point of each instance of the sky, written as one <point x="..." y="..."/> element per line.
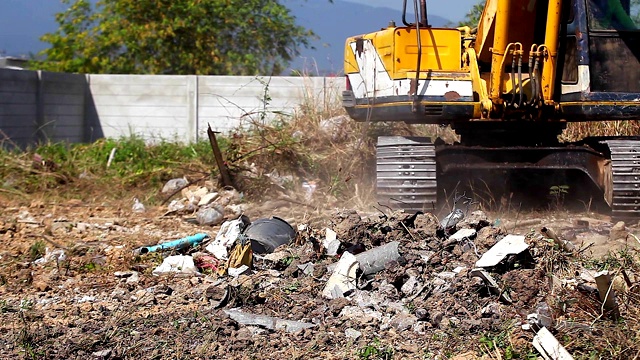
<point x="454" y="10"/>
<point x="23" y="21"/>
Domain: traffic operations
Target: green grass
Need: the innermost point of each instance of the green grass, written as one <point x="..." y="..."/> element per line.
<point x="135" y="165"/>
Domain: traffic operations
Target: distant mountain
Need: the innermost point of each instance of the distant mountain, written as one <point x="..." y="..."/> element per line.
<point x="23" y="22"/>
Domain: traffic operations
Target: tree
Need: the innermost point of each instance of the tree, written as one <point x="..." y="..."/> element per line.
<point x="239" y="37"/>
<point x="473" y="16"/>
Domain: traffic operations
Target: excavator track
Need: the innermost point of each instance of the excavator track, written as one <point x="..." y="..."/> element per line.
<point x="625" y="165"/>
<point x="406" y="173"/>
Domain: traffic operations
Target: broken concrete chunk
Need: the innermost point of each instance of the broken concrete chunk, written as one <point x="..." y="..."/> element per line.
<point x="352" y="334"/>
<point x="267" y="322"/>
<point x="343" y="279"/>
<point x="463" y="234"/>
<point x="307" y="268"/>
<point x="549" y="347"/>
<point x="509" y="245"/>
<point x="174" y="185"/>
<point x="618" y="231"/>
<point x="331" y="242"/>
<point x="491" y="283"/>
<point x="207" y="199"/>
<point x="403" y="321"/>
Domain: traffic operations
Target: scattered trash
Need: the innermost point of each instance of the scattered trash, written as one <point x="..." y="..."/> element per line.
<point x="331" y="242"/>
<point x="463" y="234"/>
<point x="112" y="154"/>
<point x="352" y="334"/>
<point x="541" y="318"/>
<point x="374" y="260"/>
<point x="451" y="220"/>
<point x="174" y="185"/>
<point x="210" y="215"/>
<point x="235" y="272"/>
<point x="206" y="262"/>
<point x="549" y="347"/>
<point x="226" y="237"/>
<point x="309" y="188"/>
<point x="343" y="278"/>
<point x="242" y="254"/>
<point x="491" y="284"/>
<point x="137" y="206"/>
<point x="563" y="244"/>
<point x="179" y="244"/>
<point x="509" y="245"/>
<point x="267" y="234"/>
<point x="102" y="354"/>
<point x="267" y="322"/>
<point x="607" y="294"/>
<point x="56" y="255"/>
<point x="177" y="264"/>
<point x="307" y="268"/>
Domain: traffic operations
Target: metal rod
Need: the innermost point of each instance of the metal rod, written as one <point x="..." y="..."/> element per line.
<point x="414" y="105"/>
<point x="424" y="21"/>
<point x="224" y="172"/>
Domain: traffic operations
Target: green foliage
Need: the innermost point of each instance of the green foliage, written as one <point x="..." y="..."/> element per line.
<point x="473" y="16"/>
<point x="174" y="37"/>
<point x="37" y="250"/>
<point x="500" y="342"/>
<point x="135" y="164"/>
<point x="558" y="193"/>
<point x="375" y="350"/>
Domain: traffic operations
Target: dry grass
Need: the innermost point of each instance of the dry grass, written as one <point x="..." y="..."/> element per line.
<point x="580" y="130"/>
<point x="320" y="144"/>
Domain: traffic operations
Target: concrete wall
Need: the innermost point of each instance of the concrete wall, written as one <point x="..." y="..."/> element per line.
<point x="40" y="106"/>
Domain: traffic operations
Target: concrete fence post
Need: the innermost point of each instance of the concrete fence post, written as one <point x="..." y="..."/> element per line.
<point x="192" y="108"/>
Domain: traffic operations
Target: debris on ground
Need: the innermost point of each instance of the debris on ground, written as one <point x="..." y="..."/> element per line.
<point x="335" y="287"/>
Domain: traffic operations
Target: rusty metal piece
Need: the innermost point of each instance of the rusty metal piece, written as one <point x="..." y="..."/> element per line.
<point x="451" y="96"/>
<point x="224" y="172"/>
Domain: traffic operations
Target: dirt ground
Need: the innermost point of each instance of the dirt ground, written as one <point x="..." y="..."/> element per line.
<point x="101" y="301"/>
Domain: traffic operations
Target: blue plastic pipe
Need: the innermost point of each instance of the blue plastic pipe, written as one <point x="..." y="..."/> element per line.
<point x="175" y="244"/>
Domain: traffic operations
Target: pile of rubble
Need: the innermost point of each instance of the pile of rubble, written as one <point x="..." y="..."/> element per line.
<point x="393" y="272"/>
<point x="209" y="205"/>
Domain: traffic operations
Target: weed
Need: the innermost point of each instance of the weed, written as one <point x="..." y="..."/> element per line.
<point x="375" y="350"/>
<point x="558" y="194"/>
<point x="291" y="288"/>
<point x="288" y="260"/>
<point x="37" y="250"/>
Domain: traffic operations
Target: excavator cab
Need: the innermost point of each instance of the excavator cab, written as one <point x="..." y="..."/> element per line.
<point x="600" y="61"/>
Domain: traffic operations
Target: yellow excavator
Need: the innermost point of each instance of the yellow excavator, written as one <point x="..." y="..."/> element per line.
<point x="508" y="88"/>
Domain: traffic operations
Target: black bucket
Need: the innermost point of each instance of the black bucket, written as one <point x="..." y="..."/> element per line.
<point x="267" y="234"/>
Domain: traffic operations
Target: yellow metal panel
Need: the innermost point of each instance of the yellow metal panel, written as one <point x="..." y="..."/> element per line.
<point x="441" y="50"/>
<point x="383" y="42"/>
<point x="350" y="64"/>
